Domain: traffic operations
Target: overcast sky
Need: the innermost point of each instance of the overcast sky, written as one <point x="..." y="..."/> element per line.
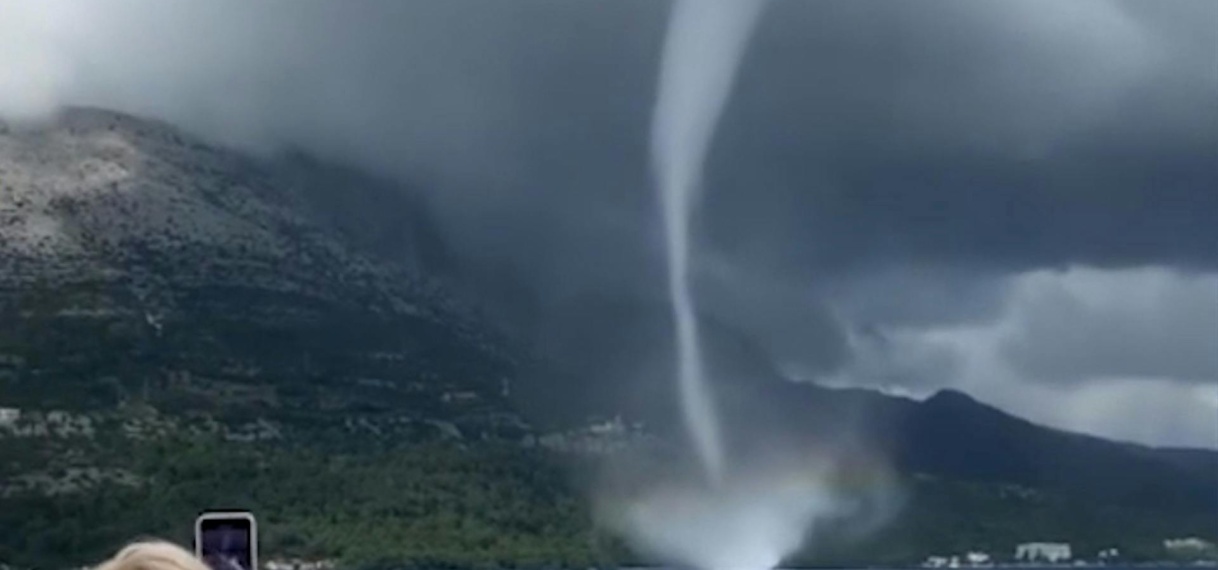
<point x="1015" y="198"/>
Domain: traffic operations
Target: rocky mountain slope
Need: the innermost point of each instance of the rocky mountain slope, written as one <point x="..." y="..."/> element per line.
<point x="139" y="264"/>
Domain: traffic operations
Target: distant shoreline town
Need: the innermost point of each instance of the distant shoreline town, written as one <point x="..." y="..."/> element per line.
<point x="973" y="562"/>
<point x="1190" y="551"/>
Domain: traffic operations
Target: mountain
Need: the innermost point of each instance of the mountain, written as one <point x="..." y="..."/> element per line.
<point x="949" y="435"/>
<point x="138" y="264"/>
<point x="185" y="326"/>
<point x="953" y="434"/>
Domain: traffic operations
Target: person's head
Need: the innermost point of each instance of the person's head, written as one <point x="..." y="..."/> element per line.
<point x="153" y="555"/>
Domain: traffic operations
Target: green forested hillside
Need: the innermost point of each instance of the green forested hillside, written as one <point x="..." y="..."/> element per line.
<point x="483" y="505"/>
<point x="425" y="504"/>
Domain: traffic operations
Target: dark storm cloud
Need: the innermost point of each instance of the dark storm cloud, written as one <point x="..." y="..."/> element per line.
<point x="972" y="134"/>
<point x="922" y="152"/>
<point x="1029" y="131"/>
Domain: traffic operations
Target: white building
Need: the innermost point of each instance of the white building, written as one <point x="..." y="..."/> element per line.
<point x="1192" y="544"/>
<point x="298" y="564"/>
<point x="977" y="558"/>
<point x="1052" y="552"/>
<point x="9" y="416"/>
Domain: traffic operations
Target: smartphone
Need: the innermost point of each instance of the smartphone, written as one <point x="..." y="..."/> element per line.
<point x="227" y="540"/>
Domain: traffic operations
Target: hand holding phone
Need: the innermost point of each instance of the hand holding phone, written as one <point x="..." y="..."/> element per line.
<point x="227" y="540"/>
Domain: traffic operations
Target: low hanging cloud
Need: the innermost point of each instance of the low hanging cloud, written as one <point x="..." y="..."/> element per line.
<point x="892" y="184"/>
<point x="1088" y="325"/>
<point x="1125" y="353"/>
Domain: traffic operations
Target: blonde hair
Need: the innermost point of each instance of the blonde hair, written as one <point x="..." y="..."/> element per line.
<point x="153" y="555"/>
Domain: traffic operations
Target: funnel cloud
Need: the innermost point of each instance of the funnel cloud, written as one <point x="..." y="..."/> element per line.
<point x="727" y="518"/>
<point x="705" y="43"/>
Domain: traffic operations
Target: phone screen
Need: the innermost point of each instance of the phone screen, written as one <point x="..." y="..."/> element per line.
<point x="227" y="543"/>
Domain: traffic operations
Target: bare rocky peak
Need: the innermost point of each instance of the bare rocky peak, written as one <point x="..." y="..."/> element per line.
<point x="93" y="181"/>
<point x="96" y="194"/>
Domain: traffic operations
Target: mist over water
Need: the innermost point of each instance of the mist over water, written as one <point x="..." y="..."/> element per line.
<point x="702" y="50"/>
<point x="769" y="503"/>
